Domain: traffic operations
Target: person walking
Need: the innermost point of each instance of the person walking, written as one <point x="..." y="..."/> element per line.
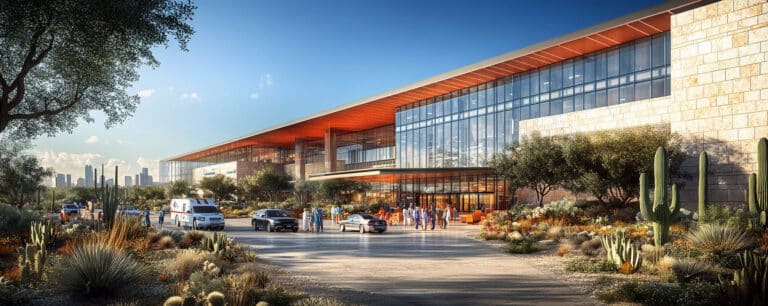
<point x="319" y="219"/>
<point x="146" y="215"/>
<point x="408" y="215"/>
<point x="447" y="216"/>
<point x="416" y="216"/>
<point x="432" y="215"/>
<point x="338" y="214"/>
<point x="306" y="220"/>
<point x="315" y="225"/>
<point x="161" y="217"/>
<point x="424" y="218"/>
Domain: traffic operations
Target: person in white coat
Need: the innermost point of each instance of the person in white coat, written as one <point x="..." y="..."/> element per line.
<point x="306" y="220"/>
<point x="408" y="215"/>
<point x="447" y="216"/>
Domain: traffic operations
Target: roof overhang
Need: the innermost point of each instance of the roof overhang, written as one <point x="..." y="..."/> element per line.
<point x="391" y="175"/>
<point x="379" y="110"/>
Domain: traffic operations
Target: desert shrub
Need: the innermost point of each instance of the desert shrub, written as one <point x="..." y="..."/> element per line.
<point x="13" y="219"/>
<point x="243" y="288"/>
<point x="95" y="269"/>
<point x="203" y="282"/>
<point x="649" y="293"/>
<point x="722" y="214"/>
<point x="277" y="296"/>
<point x="177" y="236"/>
<point x="166" y="242"/>
<point x="688" y="270"/>
<point x="564" y="249"/>
<point x="187" y="262"/>
<point x="589" y="265"/>
<point x="718" y="241"/>
<point x="119" y="235"/>
<point x="593" y="247"/>
<point x="651" y="253"/>
<point x="555" y="232"/>
<point x="524" y="246"/>
<point x="153" y="237"/>
<point x="318" y="301"/>
<point x="193" y="237"/>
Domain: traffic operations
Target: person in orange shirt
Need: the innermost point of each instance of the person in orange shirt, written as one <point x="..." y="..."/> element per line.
<point x="382" y="214"/>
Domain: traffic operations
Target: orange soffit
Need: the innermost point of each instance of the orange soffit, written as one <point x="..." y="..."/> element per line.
<point x="379" y="110"/>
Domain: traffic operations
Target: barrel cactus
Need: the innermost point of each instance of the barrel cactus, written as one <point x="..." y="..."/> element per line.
<point x="664" y="209"/>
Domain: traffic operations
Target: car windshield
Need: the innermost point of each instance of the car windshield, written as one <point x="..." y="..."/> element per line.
<point x="367" y="217"/>
<point x="276" y="213"/>
<point x="205" y="209"/>
<point x="70" y="206"/>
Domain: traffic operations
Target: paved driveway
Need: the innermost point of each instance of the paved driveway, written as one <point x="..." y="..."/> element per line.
<point x="406" y="267"/>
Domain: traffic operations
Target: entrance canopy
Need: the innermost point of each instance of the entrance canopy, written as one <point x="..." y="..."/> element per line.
<point x="388" y="175"/>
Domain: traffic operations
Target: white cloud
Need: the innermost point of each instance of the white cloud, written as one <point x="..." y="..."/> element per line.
<point x="171" y="88"/>
<point x="192" y="96"/>
<point x="265" y="80"/>
<point x="91" y="140"/>
<point x="254" y="96"/>
<point x="146" y="93"/>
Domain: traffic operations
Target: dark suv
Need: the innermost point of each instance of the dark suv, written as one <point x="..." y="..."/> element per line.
<point x="273" y="220"/>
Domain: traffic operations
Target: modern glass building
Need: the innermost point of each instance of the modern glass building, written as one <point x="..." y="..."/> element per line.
<point x="431" y="141"/>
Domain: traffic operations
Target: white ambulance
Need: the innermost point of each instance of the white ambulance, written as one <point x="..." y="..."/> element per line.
<point x="196" y="213"/>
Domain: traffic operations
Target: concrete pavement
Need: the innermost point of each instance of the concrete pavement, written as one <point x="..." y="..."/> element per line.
<point x="408" y="267"/>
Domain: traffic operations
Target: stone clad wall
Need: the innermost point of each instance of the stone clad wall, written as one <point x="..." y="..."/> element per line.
<point x="718" y="101"/>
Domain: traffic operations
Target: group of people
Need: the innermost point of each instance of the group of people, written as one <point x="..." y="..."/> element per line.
<point x="312" y="221"/>
<point x="424" y="217"/>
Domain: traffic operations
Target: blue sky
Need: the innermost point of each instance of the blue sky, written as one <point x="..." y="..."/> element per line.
<point x="254" y="64"/>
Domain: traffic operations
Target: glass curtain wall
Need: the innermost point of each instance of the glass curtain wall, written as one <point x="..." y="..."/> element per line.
<point x="466" y="127"/>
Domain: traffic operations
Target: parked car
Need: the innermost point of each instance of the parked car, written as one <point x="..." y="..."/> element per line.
<point x="273" y="220"/>
<point x="127" y="210"/>
<point x="363" y="223"/>
<point x="68" y="209"/>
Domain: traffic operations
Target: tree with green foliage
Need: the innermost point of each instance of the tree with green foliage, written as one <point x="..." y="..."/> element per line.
<point x="537" y="163"/>
<point x="340" y="190"/>
<point x="64" y="59"/>
<point x="303" y="190"/>
<point x="147" y="193"/>
<point x="267" y="183"/>
<point x="81" y="194"/>
<point x="21" y="176"/>
<point x="180" y="188"/>
<point x="607" y="163"/>
<point x="503" y="164"/>
<point x="221" y="186"/>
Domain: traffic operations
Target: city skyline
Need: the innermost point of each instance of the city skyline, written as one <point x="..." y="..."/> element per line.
<point x="259" y="76"/>
<point x="65" y="180"/>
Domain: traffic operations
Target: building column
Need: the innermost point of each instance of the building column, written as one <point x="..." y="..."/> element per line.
<point x="330" y="150"/>
<point x="298" y="168"/>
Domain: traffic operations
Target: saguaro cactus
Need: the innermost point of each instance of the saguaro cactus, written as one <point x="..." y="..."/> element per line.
<point x="663" y="209"/>
<point x="110" y="201"/>
<point x="758" y="185"/>
<point x="703" y="162"/>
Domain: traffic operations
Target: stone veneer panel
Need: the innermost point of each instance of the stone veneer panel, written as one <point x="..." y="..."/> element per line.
<point x="718" y="101"/>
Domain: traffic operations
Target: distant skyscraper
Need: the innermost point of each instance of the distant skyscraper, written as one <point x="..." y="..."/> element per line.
<point x="69" y="180"/>
<point x="149" y="180"/>
<point x="88" y="175"/>
<point x="61" y="180"/>
<point x="137" y="183"/>
<point x="128" y="181"/>
<point x="144" y="177"/>
<point x="81" y="182"/>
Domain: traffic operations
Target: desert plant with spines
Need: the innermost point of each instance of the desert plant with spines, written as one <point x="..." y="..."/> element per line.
<point x="703" y="188"/>
<point x="42" y="234"/>
<point x="31" y="264"/>
<point x="216" y="243"/>
<point x="216" y="298"/>
<point x="110" y="200"/>
<point x="750" y="283"/>
<point x="664" y="208"/>
<point x="758" y="185"/>
<point x="620" y="251"/>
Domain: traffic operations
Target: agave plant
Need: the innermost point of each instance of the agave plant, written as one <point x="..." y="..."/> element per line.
<point x="95" y="270"/>
<point x="719" y="240"/>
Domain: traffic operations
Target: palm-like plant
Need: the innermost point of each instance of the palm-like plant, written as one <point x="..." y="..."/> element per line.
<point x="96" y="270"/>
<point x="719" y="240"/>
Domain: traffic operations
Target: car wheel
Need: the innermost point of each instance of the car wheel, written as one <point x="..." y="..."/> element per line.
<point x="362" y="229"/>
<point x="178" y="224"/>
<point x="295" y="229"/>
<point x="255" y="226"/>
<point x="341" y="229"/>
<point x="269" y="228"/>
